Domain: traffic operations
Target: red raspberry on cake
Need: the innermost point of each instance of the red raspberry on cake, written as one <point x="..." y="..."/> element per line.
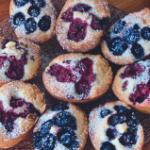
<point x="114" y="126"/>
<point x="33" y="19"/>
<point x="78" y="77"/>
<point x="81" y="24"/>
<point x="132" y="85"/>
<point x="63" y="127"/>
<point x="128" y="40"/>
<point x="19" y="60"/>
<point x="21" y="105"/>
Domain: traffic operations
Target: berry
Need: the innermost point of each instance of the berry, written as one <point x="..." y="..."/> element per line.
<point x="45" y="23"/>
<point x="119" y="25"/>
<point x="77" y="30"/>
<point x="67" y="16"/>
<point x="104" y="113"/>
<point x="20" y="3"/>
<point x="81" y="8"/>
<point x="30" y="25"/>
<point x="145" y="33"/>
<point x="137" y="51"/>
<point x="133" y="35"/>
<point x="111" y="133"/>
<point x="38" y="3"/>
<point x="117" y="46"/>
<point x="37" y="140"/>
<point x="107" y="146"/>
<point x="120" y="109"/>
<point x="65" y="119"/>
<point x="60" y="107"/>
<point x="34" y="11"/>
<point x="18" y="19"/>
<point x="124" y="86"/>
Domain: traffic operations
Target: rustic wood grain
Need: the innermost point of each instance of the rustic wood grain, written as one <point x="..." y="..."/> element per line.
<point x="126" y="5"/>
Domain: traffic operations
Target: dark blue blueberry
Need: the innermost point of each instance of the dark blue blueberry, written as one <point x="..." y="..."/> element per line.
<point x="117" y="46"/>
<point x="18" y="19"/>
<point x="34" y="11"/>
<point x="60" y="107"/>
<point x="30" y="25"/>
<point x="145" y="33"/>
<point x="68" y="138"/>
<point x="48" y="142"/>
<point x="117" y="119"/>
<point x="119" y="25"/>
<point x="46" y="127"/>
<point x="107" y="36"/>
<point x="105" y="112"/>
<point x="38" y="3"/>
<point x="111" y="133"/>
<point x="65" y="119"/>
<point x="37" y="140"/>
<point x="133" y="124"/>
<point x="133" y="35"/>
<point x="45" y="23"/>
<point x="20" y="3"/>
<point x="137" y="51"/>
<point x="120" y="108"/>
<point x="107" y="146"/>
<point x="129" y="138"/>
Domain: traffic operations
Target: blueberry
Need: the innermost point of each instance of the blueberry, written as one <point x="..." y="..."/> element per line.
<point x="111" y="133"/>
<point x="37" y="140"/>
<point x="34" y="11"/>
<point x="45" y="23"/>
<point x="30" y="25"/>
<point x="105" y="112"/>
<point x="18" y="19"/>
<point x="48" y="142"/>
<point x="68" y="138"/>
<point x="117" y="46"/>
<point x="117" y="119"/>
<point x="129" y="138"/>
<point x="120" y="108"/>
<point x="46" y="127"/>
<point x="60" y="107"/>
<point x="133" y="35"/>
<point x="107" y="146"/>
<point x="145" y="33"/>
<point x="119" y="25"/>
<point x="133" y="124"/>
<point x="65" y="119"/>
<point x="20" y="3"/>
<point x="38" y="3"/>
<point x="137" y="51"/>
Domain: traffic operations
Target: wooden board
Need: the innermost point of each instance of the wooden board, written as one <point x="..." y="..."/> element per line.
<point x="52" y="49"/>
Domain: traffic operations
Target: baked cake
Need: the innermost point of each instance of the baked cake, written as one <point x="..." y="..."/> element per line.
<point x="81" y="24"/>
<point x="64" y="127"/>
<point x="21" y="104"/>
<point x="33" y="19"/>
<point x="114" y="126"/>
<point x="132" y="85"/>
<point x="19" y="60"/>
<point x="128" y="40"/>
<point x="77" y="77"/>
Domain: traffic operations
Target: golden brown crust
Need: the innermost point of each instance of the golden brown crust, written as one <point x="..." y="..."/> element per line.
<point x="144" y="106"/>
<point x="142" y="19"/>
<point x="38" y="36"/>
<point x="81" y="122"/>
<point x="99" y="9"/>
<point x="32" y="95"/>
<point x="97" y="128"/>
<point x="100" y="86"/>
<point x="34" y="61"/>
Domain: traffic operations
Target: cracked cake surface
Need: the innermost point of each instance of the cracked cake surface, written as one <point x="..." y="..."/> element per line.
<point x="33" y="19"/>
<point x="78" y="77"/>
<point x="21" y="105"/>
<point x="64" y="127"/>
<point x="128" y="40"/>
<point x="132" y="85"/>
<point x="81" y="24"/>
<point x="19" y="60"/>
<point x="114" y="126"/>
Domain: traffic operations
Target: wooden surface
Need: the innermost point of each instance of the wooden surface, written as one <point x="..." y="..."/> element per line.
<point x="126" y="5"/>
